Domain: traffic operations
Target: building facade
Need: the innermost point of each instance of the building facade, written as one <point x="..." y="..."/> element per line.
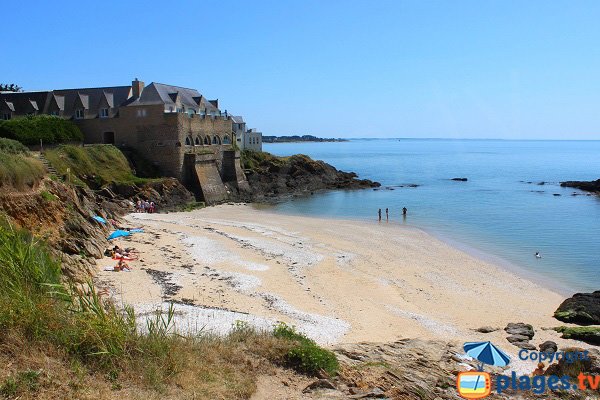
<point x="175" y="128"/>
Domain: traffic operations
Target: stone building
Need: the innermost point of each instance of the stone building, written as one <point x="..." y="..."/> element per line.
<point x="184" y="134"/>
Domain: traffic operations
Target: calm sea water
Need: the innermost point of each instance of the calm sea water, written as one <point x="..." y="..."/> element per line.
<point x="496" y="213"/>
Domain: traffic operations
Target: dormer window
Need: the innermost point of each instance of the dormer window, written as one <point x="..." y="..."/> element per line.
<point x="54" y="112"/>
<point x="6" y="116"/>
<point x="104" y="113"/>
<point x="79" y="113"/>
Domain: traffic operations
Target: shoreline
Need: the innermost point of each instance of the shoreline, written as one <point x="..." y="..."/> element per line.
<point x="337" y="281"/>
<point x="486" y="256"/>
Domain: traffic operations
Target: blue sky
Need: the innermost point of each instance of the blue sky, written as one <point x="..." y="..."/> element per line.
<point x="461" y="69"/>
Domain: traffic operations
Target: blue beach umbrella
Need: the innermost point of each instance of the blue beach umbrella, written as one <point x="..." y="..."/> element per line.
<point x="487" y="353"/>
<point x="99" y="219"/>
<point x="117" y="234"/>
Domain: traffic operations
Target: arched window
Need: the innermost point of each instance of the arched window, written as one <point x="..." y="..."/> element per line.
<point x="206" y="140"/>
<point x="198" y="141"/>
<point x="226" y="139"/>
<point x="188" y="141"/>
<point x="216" y="140"/>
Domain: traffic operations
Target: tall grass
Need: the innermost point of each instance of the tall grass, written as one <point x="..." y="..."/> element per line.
<point x="37" y="306"/>
<point x="19" y="171"/>
<point x="92" y="165"/>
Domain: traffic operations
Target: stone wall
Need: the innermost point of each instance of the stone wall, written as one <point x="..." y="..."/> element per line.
<point x="161" y="138"/>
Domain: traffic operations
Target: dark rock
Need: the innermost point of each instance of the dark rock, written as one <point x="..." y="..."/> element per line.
<point x="270" y="176"/>
<point x="541" y="183"/>
<point x="556" y="194"/>
<point x="525" y="345"/>
<point x="459" y="179"/>
<point x="517" y="338"/>
<point x="581" y="309"/>
<point x="588" y="186"/>
<point x="319" y="384"/>
<point x="486" y="329"/>
<point x="548" y="347"/>
<point x="520" y="329"/>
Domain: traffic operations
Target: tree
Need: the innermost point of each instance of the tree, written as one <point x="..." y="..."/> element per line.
<point x="6" y="87"/>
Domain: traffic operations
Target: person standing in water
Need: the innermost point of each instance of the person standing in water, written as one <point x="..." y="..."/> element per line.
<point x="379" y="213"/>
<point x="387" y="215"/>
<point x="404" y="210"/>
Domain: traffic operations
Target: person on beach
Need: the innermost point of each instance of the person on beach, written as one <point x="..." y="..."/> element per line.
<point x="538" y="255"/>
<point x="387" y="215"/>
<point x="379" y="213"/>
<point x="404" y="211"/>
<point x="122" y="266"/>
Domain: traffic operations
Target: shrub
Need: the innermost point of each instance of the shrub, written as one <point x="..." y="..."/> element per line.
<point x="31" y="129"/>
<point x="306" y="356"/>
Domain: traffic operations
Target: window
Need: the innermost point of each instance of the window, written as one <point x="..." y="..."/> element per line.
<point x="54" y="112"/>
<point x="79" y="113"/>
<point x="6" y="116"/>
<point x="188" y="141"/>
<point x="104" y="113"/>
<point x="141" y="113"/>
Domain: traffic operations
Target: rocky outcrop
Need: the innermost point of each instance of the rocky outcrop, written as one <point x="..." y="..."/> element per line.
<point x="62" y="216"/>
<point x="581" y="309"/>
<point x="271" y="176"/>
<point x="588" y="186"/>
<point x="405" y="369"/>
<point x="166" y="193"/>
<point x="459" y="179"/>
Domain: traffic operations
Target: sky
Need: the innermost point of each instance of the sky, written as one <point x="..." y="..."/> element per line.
<point x="370" y="68"/>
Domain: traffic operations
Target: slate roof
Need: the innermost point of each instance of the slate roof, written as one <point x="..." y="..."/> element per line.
<point x="67" y="99"/>
<point x="159" y="93"/>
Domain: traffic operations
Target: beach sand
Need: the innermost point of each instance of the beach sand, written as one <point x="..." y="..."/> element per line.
<point x="335" y="280"/>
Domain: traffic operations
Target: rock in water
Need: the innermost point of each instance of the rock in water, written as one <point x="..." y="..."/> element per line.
<point x="581" y="309"/>
<point x="459" y="179"/>
<point x="588" y="186"/>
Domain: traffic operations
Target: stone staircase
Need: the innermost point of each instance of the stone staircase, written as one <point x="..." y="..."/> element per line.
<point x="51" y="170"/>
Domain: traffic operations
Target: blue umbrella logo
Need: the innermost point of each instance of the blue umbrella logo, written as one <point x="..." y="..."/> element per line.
<point x="486" y="353"/>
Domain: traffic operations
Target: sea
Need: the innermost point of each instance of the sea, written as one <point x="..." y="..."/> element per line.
<point x="511" y="206"/>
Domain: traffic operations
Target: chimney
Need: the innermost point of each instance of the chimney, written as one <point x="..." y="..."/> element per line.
<point x="136" y="88"/>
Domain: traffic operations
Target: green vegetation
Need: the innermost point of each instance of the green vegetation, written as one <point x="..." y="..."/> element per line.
<point x="94" y="166"/>
<point x="588" y="334"/>
<point x="93" y="347"/>
<point x="306" y="356"/>
<point x="49" y="129"/>
<point x="17" y="169"/>
<point x="253" y="160"/>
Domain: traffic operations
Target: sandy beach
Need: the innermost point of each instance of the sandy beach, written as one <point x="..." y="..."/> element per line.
<point x="338" y="281"/>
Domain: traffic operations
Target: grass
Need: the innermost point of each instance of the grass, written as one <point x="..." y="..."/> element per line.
<point x="61" y="340"/>
<point x="94" y="166"/>
<point x="17" y="169"/>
